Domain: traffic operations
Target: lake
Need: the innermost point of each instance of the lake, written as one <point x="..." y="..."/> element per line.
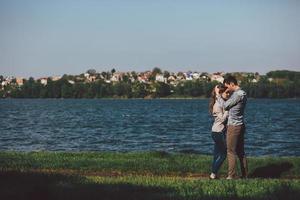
<point x="172" y="125"/>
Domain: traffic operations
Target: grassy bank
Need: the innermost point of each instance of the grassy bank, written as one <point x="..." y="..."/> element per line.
<point x="148" y="175"/>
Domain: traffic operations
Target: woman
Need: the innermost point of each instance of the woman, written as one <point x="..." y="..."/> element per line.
<point x="216" y="109"/>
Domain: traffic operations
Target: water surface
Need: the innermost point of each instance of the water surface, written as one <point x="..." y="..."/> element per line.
<point x="141" y="125"/>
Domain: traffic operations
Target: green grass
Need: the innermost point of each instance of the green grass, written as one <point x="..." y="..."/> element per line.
<point x="146" y="175"/>
<point x="155" y="163"/>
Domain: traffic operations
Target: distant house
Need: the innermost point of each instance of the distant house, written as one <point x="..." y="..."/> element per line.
<point x="171" y="78"/>
<point x="89" y="77"/>
<point x="188" y="76"/>
<point x="19" y="81"/>
<point x="144" y="77"/>
<point x="217" y="77"/>
<point x="55" y="78"/>
<point x="147" y="75"/>
<point x="71" y="82"/>
<point x="5" y="83"/>
<point x="131" y="78"/>
<point x="180" y="76"/>
<point x="79" y="79"/>
<point x="44" y="81"/>
<point x="92" y="78"/>
<point x="254" y="80"/>
<point x="101" y="76"/>
<point x="117" y="76"/>
<point x="160" y="78"/>
<point x="196" y="75"/>
<point x="204" y="76"/>
<point x="174" y="83"/>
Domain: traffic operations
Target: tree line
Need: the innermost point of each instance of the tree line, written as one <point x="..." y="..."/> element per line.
<point x="275" y="84"/>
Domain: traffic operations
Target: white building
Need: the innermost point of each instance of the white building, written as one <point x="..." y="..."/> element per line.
<point x="217" y="77"/>
<point x="171" y="78"/>
<point x="44" y="81"/>
<point x="117" y="76"/>
<point x="19" y="81"/>
<point x="160" y="78"/>
<point x="5" y="83"/>
<point x="71" y="82"/>
<point x="55" y="78"/>
<point x="188" y="76"/>
<point x="195" y="75"/>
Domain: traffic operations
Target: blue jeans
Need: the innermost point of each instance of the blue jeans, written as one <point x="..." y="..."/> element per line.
<point x="219" y="150"/>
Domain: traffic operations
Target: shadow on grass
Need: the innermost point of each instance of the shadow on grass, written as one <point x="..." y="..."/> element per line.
<point x="41" y="186"/>
<point x="271" y="170"/>
<point x="27" y="185"/>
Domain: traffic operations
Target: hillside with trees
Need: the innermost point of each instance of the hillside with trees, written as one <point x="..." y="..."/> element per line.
<point x="157" y="84"/>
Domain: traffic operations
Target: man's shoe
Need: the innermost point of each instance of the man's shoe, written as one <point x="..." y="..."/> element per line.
<point x="229" y="178"/>
<point x="213" y="176"/>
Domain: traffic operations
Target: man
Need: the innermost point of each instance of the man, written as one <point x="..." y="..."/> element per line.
<point x="236" y="127"/>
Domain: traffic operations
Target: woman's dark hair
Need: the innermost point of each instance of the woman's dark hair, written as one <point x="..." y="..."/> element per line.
<point x="213" y="97"/>
<point x="230" y="79"/>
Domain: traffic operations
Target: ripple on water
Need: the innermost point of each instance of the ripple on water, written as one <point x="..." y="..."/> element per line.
<point x="141" y="125"/>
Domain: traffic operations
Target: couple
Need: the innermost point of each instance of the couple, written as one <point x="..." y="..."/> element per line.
<point x="227" y="106"/>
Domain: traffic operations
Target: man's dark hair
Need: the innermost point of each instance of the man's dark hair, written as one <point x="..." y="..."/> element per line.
<point x="230" y="79"/>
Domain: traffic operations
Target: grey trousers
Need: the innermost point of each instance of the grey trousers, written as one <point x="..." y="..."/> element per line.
<point x="235" y="148"/>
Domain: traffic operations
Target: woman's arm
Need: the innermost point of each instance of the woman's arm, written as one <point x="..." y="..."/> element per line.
<point x="218" y="111"/>
<point x="220" y="115"/>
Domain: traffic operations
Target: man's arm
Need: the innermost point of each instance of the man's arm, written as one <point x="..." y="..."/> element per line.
<point x="232" y="101"/>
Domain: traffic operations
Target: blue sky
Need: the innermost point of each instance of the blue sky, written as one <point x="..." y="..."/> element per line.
<point x="44" y="38"/>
